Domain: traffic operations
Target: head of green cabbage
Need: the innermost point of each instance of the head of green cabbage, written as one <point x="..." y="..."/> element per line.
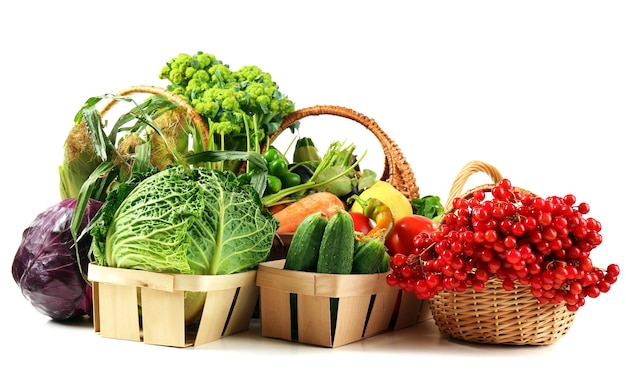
<point x="185" y="220"/>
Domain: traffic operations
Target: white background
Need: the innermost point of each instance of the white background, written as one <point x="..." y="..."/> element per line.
<point x="536" y="88"/>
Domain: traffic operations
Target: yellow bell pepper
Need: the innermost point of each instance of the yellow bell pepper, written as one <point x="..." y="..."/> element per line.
<point x="398" y="203"/>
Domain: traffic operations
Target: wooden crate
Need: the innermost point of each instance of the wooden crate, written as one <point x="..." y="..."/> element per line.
<point x="296" y="306"/>
<point x="118" y="294"/>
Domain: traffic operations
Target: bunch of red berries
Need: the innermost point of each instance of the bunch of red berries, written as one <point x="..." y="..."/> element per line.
<point x="514" y="236"/>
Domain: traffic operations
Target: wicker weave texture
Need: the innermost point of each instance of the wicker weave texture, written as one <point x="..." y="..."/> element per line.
<point x="496" y="316"/>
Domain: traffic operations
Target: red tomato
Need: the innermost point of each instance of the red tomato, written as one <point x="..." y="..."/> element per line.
<point x="404" y="230"/>
<point x="361" y="222"/>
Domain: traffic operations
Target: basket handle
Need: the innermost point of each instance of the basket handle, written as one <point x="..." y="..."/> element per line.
<point x="396" y="171"/>
<point x="177" y="99"/>
<point x="464" y="174"/>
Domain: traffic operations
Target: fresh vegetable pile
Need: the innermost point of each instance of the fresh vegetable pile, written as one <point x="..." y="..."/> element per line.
<point x="336" y="172"/>
<point x="330" y="239"/>
<point x="187" y="181"/>
<point x="164" y="190"/>
<point x="165" y="187"/>
<point x="515" y="237"/>
<point x="331" y="245"/>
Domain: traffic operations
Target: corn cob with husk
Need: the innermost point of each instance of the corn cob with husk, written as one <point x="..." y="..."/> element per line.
<point x="166" y="146"/>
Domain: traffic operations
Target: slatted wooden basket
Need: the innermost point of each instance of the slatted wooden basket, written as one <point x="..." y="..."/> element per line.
<point x="149" y="307"/>
<point x="331" y="310"/>
<point x="298" y="306"/>
<point x="493" y="315"/>
<point x="144" y="306"/>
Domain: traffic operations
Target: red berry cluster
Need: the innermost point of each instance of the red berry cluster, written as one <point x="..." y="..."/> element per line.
<point x="514" y="236"/>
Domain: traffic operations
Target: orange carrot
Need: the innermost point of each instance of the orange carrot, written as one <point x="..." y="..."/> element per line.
<point x="290" y="217"/>
<point x="277" y="207"/>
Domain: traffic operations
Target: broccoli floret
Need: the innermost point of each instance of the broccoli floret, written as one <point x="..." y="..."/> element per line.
<point x="203" y="60"/>
<point x="232" y="102"/>
<point x="220" y="75"/>
<point x="253" y="73"/>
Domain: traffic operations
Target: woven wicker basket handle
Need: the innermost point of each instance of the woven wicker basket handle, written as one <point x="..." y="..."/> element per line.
<point x="397" y="170"/>
<point x="468" y="170"/>
<point x="177" y="99"/>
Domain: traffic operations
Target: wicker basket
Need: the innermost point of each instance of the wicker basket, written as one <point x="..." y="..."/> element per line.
<point x="396" y="171"/>
<point x="496" y="316"/>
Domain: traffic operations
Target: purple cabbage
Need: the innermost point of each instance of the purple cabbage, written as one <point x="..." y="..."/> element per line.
<point x="45" y="266"/>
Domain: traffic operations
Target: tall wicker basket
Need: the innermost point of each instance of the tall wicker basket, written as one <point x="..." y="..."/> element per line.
<point x="397" y="170"/>
<point x="496" y="316"/>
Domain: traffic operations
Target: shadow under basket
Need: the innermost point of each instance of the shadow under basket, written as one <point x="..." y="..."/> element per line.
<point x="147" y="306"/>
<point x="331" y="310"/>
<point x="496" y="316"/>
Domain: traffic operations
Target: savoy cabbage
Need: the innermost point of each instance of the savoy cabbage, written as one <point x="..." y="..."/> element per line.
<point x="191" y="221"/>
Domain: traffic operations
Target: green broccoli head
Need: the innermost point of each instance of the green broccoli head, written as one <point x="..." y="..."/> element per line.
<point x="184" y="67"/>
<point x="232" y="102"/>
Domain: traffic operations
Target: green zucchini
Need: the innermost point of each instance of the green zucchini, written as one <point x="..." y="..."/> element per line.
<point x="337" y="247"/>
<point x="303" y="251"/>
<point x="368" y="256"/>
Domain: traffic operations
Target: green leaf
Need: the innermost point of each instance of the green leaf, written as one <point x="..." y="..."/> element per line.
<point x="84" y="195"/>
<point x="258" y="181"/>
<point x="219" y="156"/>
<point x="340" y="185"/>
<point x="429" y="206"/>
<point x="366" y="179"/>
<point x="96" y="133"/>
<point x="142" y="158"/>
<point x="90" y="103"/>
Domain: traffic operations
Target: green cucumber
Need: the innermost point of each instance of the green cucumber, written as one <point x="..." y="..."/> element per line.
<point x="368" y="256"/>
<point x="337" y="247"/>
<point x="385" y="265"/>
<point x="305" y="244"/>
